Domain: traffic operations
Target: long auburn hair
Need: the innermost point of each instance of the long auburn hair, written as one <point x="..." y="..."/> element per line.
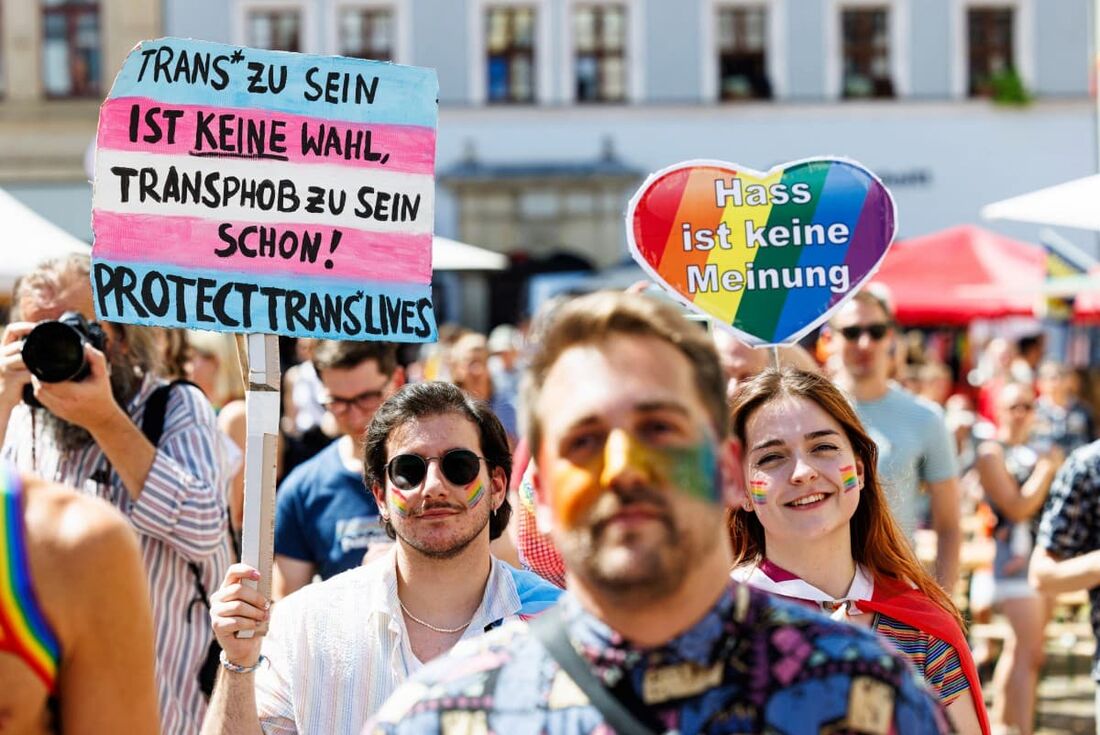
<point x="877" y="541"/>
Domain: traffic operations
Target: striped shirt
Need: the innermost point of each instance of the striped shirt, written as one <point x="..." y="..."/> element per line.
<point x="338" y="649"/>
<point x="180" y="516"/>
<point x="936" y="661"/>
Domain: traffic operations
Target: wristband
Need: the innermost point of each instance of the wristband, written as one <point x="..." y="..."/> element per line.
<point x="238" y="669"/>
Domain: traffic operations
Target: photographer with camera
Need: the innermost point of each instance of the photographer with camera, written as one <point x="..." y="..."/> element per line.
<point x="80" y="404"/>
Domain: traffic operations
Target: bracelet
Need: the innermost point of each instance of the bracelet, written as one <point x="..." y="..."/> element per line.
<point x="238" y="669"/>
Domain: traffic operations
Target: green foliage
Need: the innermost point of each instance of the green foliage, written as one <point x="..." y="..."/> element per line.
<point x="1008" y="88"/>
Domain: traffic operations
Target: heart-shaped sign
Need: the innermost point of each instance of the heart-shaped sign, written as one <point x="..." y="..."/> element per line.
<point x="768" y="255"/>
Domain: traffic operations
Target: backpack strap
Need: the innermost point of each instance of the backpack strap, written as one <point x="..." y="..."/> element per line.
<point x="152" y="425"/>
<point x="156" y="407"/>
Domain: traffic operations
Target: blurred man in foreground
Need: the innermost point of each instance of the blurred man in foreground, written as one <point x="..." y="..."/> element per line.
<point x="628" y="421"/>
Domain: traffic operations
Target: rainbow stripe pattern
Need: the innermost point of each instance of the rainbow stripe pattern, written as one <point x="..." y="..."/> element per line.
<point x="780" y="291"/>
<point x="475" y="494"/>
<point x="848" y="478"/>
<point x="759" y="491"/>
<point x="24" y="630"/>
<point x="400" y="502"/>
<point x="246" y="190"/>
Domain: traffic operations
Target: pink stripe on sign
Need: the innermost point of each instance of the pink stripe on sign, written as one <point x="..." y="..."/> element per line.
<point x="397" y="148"/>
<point x="138" y="238"/>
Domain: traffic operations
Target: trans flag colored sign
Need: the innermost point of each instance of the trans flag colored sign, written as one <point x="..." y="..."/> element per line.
<point x="243" y="190"/>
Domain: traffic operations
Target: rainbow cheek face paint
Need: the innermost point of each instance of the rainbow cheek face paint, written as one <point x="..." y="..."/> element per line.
<point x="848" y="478"/>
<point x="400" y="502"/>
<point x="759" y="491"/>
<point x="692" y="471"/>
<point x="574" y="489"/>
<point x="475" y="493"/>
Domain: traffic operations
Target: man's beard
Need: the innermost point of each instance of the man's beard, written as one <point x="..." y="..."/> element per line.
<point x="446" y="552"/>
<point x="125" y="383"/>
<point x="628" y="572"/>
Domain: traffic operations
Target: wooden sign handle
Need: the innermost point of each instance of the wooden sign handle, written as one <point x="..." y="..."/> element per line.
<point x="262" y="403"/>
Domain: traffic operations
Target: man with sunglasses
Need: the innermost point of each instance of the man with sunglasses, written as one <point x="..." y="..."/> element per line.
<point x="914" y="444"/>
<point x="325" y="517"/>
<point x="627" y="417"/>
<point x="438" y="465"/>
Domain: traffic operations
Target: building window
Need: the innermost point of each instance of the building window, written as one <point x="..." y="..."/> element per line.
<point x="742" y="53"/>
<point x="599" y="33"/>
<point x="510" y="34"/>
<point x="70" y="48"/>
<point x="866" y="40"/>
<point x="277" y="30"/>
<point x="367" y="33"/>
<point x="989" y="32"/>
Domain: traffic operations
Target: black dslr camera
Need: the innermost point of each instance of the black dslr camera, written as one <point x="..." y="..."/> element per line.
<point x="54" y="351"/>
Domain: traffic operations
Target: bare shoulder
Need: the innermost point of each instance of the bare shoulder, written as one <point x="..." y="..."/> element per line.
<point x="71" y="540"/>
<point x="232" y="416"/>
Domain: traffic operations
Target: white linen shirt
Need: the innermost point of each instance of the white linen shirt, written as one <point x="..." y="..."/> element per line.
<point x="339" y="648"/>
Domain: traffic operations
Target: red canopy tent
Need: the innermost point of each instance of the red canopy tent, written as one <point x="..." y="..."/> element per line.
<point x="960" y="274"/>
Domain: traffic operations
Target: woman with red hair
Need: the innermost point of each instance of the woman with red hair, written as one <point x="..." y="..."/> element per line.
<point x="814" y="526"/>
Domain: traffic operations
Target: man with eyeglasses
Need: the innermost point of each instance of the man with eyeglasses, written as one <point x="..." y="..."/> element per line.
<point x="914" y="444"/>
<point x="438" y="466"/>
<point x="325" y="517"/>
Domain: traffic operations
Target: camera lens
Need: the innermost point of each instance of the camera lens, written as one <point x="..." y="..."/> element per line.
<point x="54" y="352"/>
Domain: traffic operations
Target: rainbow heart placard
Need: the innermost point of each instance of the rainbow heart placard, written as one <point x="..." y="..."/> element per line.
<point x="768" y="255"/>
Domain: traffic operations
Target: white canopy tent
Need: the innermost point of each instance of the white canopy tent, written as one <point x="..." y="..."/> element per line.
<point x="29" y="239"/>
<point x="1072" y="204"/>
<point x="451" y="255"/>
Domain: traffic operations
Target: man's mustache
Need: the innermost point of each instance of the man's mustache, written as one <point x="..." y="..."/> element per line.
<point x="611" y="503"/>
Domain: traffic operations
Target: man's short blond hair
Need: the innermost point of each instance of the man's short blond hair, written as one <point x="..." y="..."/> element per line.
<point x="594" y="318"/>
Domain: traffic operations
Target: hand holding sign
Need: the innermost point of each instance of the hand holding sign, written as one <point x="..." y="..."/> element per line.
<point x="767" y="255"/>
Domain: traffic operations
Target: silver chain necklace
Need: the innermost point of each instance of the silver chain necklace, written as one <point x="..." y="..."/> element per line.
<point x="429" y="626"/>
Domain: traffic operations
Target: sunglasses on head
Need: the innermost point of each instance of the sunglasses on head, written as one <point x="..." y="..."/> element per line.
<point x="874" y="331"/>
<point x="459" y="466"/>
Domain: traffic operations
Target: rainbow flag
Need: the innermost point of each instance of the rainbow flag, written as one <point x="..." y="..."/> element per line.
<point x="23" y="627"/>
<point x="848" y="478"/>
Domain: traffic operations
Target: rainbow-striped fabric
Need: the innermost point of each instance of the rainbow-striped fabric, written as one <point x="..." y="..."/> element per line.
<point x="24" y="630"/>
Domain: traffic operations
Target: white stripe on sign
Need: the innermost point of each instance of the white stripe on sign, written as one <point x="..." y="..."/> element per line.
<point x="263" y="191"/>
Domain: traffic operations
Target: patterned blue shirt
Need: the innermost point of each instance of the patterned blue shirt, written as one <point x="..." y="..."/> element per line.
<point x="754" y="663"/>
<point x="1070" y="525"/>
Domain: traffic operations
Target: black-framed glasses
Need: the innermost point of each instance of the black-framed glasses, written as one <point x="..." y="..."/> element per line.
<point x="366" y="401"/>
<point x="875" y="331"/>
<point x="459" y="466"/>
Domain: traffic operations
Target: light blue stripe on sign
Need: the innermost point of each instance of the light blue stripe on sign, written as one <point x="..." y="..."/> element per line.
<point x="189" y="72"/>
<point x="161" y="295"/>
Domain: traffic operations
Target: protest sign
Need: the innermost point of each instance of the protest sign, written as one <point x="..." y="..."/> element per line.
<point x="256" y="191"/>
<point x="767" y="255"/>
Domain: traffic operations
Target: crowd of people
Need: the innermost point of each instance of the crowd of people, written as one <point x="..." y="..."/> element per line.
<point x="613" y="520"/>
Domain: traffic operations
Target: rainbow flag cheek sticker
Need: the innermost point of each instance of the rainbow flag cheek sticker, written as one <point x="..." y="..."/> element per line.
<point x="759" y="491"/>
<point x="400" y="503"/>
<point x="477" y="492"/>
<point x="768" y="255"/>
<point x="848" y="478"/>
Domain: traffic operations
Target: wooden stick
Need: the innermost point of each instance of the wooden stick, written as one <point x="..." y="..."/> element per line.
<point x="262" y="401"/>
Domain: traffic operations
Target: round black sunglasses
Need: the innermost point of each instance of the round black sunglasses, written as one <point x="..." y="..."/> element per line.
<point x="459" y="466"/>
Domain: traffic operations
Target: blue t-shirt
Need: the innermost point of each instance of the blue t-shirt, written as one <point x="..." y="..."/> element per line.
<point x="325" y="515"/>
